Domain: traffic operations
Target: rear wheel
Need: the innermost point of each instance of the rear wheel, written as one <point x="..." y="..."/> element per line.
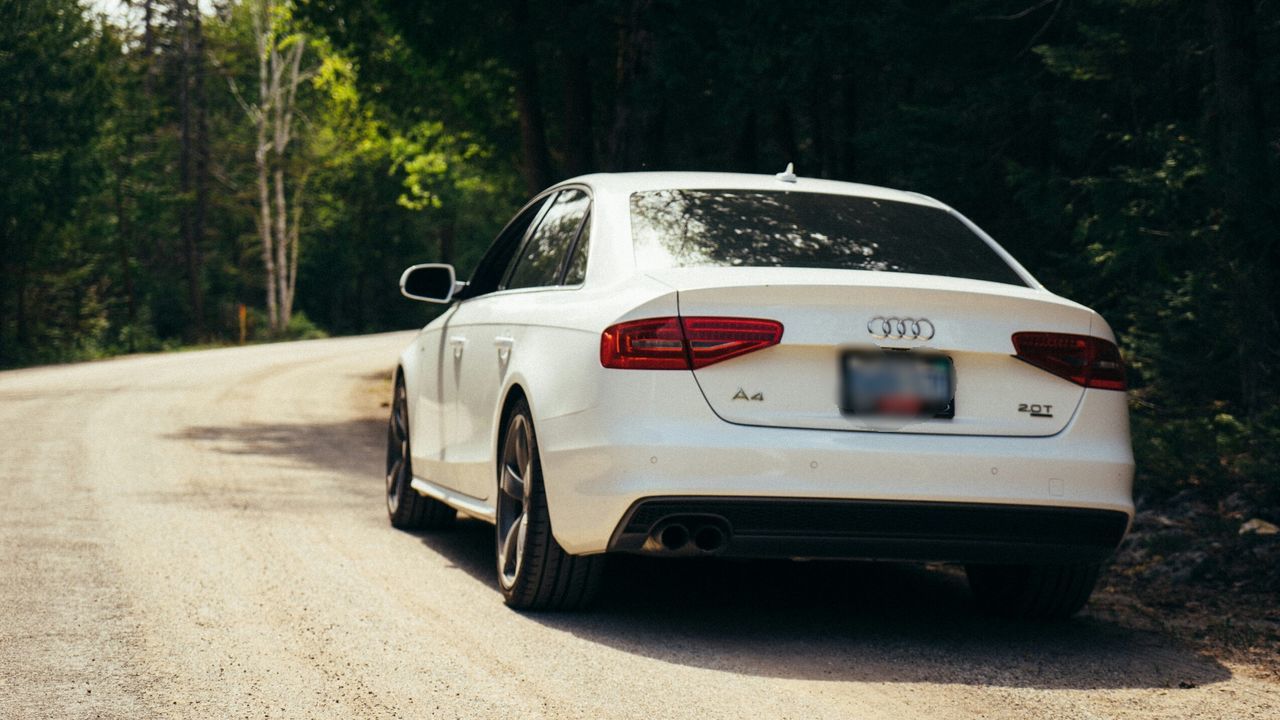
<point x="534" y="572"/>
<point x="405" y="507"/>
<point x="1033" y="592"/>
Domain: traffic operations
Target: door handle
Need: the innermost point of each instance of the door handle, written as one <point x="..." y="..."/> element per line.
<point x="457" y="342"/>
<point x="504" y="344"/>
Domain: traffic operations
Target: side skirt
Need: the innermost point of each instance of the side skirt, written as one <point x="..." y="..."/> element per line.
<point x="471" y="506"/>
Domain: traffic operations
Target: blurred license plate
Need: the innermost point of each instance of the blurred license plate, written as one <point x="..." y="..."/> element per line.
<point x="899" y="384"/>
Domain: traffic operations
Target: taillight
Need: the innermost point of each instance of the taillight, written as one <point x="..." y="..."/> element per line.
<point x="673" y="343"/>
<point x="1083" y="359"/>
<point x="654" y="344"/>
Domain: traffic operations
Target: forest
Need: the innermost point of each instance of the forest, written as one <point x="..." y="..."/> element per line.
<point x="180" y="173"/>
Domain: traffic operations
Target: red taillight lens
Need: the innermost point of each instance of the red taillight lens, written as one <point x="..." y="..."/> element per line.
<point x="1082" y="359"/>
<point x="712" y="339"/>
<point x="673" y="343"/>
<point x="653" y="344"/>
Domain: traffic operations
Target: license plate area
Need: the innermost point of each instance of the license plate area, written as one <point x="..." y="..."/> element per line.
<point x="884" y="383"/>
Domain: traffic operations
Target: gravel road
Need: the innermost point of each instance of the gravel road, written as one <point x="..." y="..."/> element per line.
<point x="202" y="535"/>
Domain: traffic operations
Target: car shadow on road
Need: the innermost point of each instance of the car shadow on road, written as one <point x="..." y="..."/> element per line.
<point x="352" y="447"/>
<point x="839" y="621"/>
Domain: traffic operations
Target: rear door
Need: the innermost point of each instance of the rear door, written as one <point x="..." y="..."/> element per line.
<point x="457" y="342"/>
<point x="484" y="338"/>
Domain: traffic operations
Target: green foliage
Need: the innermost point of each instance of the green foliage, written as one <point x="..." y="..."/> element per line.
<point x="301" y="328"/>
<point x="53" y="90"/>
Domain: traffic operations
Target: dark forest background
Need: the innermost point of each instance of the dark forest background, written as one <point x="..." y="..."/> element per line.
<point x="1126" y="151"/>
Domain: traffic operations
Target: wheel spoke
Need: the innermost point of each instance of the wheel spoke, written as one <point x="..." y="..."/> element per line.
<point x="522" y="448"/>
<point x="522" y="531"/>
<point x="513" y="482"/>
<point x="514" y="478"/>
<point x="393" y="475"/>
<point x="511" y="546"/>
<point x="397" y="421"/>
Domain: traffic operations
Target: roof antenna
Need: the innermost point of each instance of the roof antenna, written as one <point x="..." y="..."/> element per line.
<point x="788" y="175"/>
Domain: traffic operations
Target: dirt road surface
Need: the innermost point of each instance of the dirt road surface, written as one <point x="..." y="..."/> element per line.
<point x="202" y="535"/>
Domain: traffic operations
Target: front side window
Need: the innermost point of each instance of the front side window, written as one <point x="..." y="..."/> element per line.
<point x="543" y="255"/>
<point x="776" y="228"/>
<point x="496" y="263"/>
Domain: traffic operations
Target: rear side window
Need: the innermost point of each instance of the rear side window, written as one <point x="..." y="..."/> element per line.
<point x="576" y="272"/>
<point x="771" y="228"/>
<point x="543" y="255"/>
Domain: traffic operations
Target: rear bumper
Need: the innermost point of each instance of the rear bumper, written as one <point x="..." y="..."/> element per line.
<point x="651" y="435"/>
<point x="881" y="530"/>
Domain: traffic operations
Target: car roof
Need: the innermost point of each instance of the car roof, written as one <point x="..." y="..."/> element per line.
<point x="631" y="182"/>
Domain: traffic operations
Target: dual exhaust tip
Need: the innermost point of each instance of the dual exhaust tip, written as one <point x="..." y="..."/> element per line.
<point x="688" y="536"/>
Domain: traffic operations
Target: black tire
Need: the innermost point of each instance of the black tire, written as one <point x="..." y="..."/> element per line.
<point x="534" y="572"/>
<point x="406" y="509"/>
<point x="1032" y="592"/>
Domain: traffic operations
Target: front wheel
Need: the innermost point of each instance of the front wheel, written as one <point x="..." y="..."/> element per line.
<point x="406" y="509"/>
<point x="1033" y="592"/>
<point x="534" y="572"/>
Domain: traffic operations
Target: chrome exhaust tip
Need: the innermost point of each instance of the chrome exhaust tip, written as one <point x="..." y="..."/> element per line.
<point x="673" y="537"/>
<point x="709" y="538"/>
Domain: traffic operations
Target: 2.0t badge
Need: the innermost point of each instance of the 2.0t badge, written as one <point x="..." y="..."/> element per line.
<point x="1036" y="410"/>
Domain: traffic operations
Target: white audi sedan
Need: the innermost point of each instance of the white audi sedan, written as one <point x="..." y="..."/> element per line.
<point x="743" y="366"/>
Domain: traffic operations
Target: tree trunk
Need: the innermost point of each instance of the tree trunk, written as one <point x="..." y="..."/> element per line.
<point x="578" y="154"/>
<point x="261" y="116"/>
<point x="1241" y="155"/>
<point x="295" y="231"/>
<point x="536" y="164"/>
<point x="124" y="240"/>
<point x="287" y="69"/>
<point x="281" y="241"/>
<point x="630" y="126"/>
<point x="188" y="220"/>
<point x="279" y="76"/>
<point x="265" y="232"/>
<point x="279" y="211"/>
<point x="578" y="137"/>
<point x="200" y="169"/>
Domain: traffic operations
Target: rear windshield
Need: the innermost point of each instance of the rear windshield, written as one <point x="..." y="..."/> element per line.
<point x="773" y="228"/>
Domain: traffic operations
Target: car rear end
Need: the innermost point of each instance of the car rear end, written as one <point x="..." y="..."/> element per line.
<point x="827" y="375"/>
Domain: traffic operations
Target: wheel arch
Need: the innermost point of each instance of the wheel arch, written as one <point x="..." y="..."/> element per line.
<point x="399" y="376"/>
<point x="514" y="393"/>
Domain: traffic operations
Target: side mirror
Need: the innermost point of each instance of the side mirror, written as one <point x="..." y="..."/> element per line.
<point x="432" y="282"/>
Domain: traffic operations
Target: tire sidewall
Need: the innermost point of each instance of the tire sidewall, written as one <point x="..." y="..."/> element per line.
<point x="535" y="508"/>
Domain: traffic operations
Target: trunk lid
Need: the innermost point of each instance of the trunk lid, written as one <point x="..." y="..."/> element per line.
<point x="825" y="313"/>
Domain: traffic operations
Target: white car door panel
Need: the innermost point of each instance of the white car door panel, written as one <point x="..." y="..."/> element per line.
<point x="476" y="368"/>
<point x="427" y="426"/>
<point x="485" y="339"/>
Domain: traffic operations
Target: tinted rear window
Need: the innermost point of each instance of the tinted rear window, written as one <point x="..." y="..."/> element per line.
<point x="768" y="228"/>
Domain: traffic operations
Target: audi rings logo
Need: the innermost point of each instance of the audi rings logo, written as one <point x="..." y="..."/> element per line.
<point x="896" y="328"/>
